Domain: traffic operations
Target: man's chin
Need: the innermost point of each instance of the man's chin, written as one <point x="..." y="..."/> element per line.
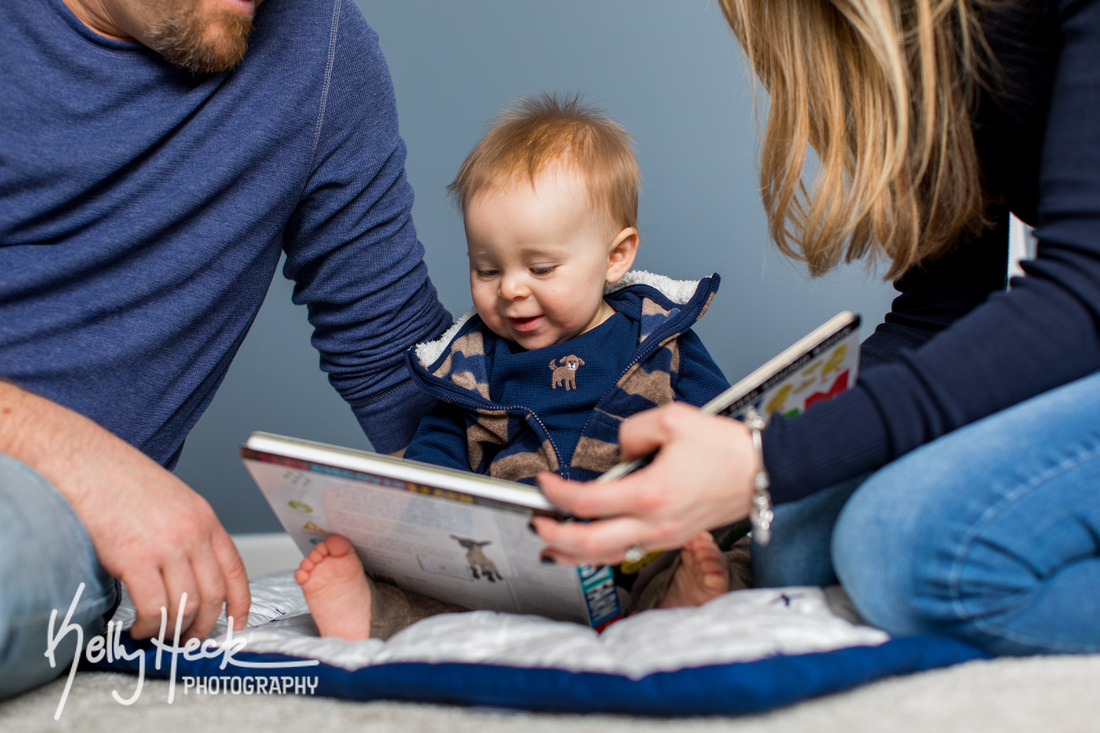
<point x="204" y="49"/>
<point x="206" y="64"/>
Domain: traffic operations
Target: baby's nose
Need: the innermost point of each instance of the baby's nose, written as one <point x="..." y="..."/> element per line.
<point x="513" y="287"/>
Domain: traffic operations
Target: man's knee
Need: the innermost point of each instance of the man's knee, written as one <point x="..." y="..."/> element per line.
<point x="47" y="616"/>
<point x="45" y="556"/>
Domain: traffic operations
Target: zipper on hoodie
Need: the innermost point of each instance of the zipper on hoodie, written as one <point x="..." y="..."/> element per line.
<point x="468" y="403"/>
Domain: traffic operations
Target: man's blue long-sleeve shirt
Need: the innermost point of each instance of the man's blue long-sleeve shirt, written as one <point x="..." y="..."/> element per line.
<point x="143" y="211"/>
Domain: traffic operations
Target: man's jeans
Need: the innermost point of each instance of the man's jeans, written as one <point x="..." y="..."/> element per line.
<point x="45" y="555"/>
<point x="990" y="534"/>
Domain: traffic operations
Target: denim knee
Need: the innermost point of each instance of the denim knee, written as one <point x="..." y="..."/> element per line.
<point x="875" y="548"/>
<point x="991" y="534"/>
<point x="45" y="555"/>
<point x="799" y="551"/>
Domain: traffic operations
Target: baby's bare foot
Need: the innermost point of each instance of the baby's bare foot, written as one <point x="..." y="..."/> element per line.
<point x="701" y="576"/>
<point x="337" y="591"/>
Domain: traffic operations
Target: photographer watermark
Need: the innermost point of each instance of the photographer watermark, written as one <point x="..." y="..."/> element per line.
<point x="109" y="646"/>
<point x="248" y="685"/>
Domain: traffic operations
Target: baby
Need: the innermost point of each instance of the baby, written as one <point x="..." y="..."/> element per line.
<point x="563" y="343"/>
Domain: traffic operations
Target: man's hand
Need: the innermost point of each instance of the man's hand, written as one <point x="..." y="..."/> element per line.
<point x="149" y="529"/>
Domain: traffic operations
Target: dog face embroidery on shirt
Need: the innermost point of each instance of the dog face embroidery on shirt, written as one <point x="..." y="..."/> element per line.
<point x="565" y="371"/>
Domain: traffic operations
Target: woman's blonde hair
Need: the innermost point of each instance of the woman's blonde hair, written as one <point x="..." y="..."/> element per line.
<point x="537" y="131"/>
<point x="883" y="91"/>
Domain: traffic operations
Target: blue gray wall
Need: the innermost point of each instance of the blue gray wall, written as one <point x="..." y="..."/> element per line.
<point x="671" y="73"/>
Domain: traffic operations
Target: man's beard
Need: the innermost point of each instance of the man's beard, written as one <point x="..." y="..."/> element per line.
<point x="184" y="42"/>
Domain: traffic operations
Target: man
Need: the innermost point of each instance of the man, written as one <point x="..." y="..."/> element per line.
<point x="156" y="156"/>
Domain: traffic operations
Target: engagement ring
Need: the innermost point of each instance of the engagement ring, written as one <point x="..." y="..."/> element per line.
<point x="634" y="553"/>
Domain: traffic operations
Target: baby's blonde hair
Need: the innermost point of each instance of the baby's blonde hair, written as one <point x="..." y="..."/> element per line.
<point x="538" y="131"/>
<point x="883" y="91"/>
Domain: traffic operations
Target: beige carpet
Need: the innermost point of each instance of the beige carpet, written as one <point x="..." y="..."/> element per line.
<point x="1036" y="695"/>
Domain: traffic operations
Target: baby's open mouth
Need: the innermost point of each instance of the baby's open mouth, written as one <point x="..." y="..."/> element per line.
<point x="525" y="324"/>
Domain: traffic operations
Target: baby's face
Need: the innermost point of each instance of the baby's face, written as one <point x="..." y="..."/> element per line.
<point x="539" y="257"/>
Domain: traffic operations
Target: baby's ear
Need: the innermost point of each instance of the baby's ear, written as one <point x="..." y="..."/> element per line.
<point x="621" y="257"/>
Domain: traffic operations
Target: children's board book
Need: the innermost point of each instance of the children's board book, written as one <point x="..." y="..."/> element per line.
<point x="463" y="538"/>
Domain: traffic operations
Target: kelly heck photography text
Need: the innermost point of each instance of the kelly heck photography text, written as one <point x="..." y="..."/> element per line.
<point x="109" y="646"/>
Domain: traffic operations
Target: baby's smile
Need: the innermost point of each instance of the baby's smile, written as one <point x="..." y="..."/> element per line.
<point x="528" y="323"/>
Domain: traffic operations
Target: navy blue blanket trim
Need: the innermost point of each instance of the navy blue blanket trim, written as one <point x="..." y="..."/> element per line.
<point x="724" y="689"/>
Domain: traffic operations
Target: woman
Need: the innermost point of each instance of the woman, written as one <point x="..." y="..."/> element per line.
<point x="956" y="488"/>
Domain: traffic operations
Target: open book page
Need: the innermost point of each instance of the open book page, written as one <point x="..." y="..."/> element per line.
<point x="433" y="539"/>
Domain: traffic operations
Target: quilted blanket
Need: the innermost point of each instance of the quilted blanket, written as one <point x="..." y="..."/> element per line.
<point x="742" y="652"/>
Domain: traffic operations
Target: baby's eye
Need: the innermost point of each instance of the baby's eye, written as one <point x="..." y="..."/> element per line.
<point x="487" y="274"/>
<point x="542" y="270"/>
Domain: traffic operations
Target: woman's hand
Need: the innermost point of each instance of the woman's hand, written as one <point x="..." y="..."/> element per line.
<point x="701" y="479"/>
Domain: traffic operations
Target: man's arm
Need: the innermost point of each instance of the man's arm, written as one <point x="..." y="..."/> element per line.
<point x="441" y="439"/>
<point x="352" y="248"/>
<point x="149" y="529"/>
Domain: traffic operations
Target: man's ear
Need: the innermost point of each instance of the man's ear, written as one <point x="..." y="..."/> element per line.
<point x="621" y="257"/>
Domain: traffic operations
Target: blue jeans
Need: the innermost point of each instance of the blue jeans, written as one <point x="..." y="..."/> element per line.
<point x="45" y="555"/>
<point x="990" y="534"/>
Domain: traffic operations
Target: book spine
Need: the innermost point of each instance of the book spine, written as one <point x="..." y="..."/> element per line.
<point x="600" y="595"/>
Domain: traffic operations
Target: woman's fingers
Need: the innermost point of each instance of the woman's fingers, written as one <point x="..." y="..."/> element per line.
<point x="699" y="479"/>
<point x="631" y="511"/>
<point x="646" y="432"/>
<point x="597" y="543"/>
<point x="590" y="500"/>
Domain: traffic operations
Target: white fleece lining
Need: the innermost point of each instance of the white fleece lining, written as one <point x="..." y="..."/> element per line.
<point x="678" y="291"/>
<point x="429" y="351"/>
